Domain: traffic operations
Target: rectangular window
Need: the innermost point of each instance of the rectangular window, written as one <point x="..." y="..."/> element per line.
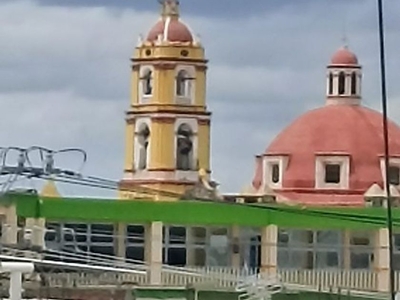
<point x="135" y="234"/>
<point x="394" y="175"/>
<point x="135" y="253"/>
<point x="360" y="250"/>
<point x="332" y="173"/>
<point x="177" y="235"/>
<point x="199" y="257"/>
<point x="176" y="257"/>
<point x="199" y="235"/>
<point x="102" y="233"/>
<point x="275" y="173"/>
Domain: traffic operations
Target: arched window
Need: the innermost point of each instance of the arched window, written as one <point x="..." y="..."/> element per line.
<point x="353" y="83"/>
<point x="342" y="83"/>
<point x="330" y="84"/>
<point x="182" y="84"/>
<point x="184" y="148"/>
<point x="147" y="82"/>
<point x="143" y="144"/>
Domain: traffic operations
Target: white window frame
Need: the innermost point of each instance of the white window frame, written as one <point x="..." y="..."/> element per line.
<point x="342" y="160"/>
<point x="268" y="163"/>
<point x="144" y="99"/>
<point x="393" y="162"/>
<point x="187" y="99"/>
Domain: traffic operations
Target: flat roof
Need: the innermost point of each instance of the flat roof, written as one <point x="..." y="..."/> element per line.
<point x="184" y="212"/>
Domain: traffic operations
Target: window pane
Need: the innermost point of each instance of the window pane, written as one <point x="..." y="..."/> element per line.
<point x="135" y="253"/>
<point x="275" y="173"/>
<point x="332" y="173"/>
<point x="105" y="250"/>
<point x="330" y="83"/>
<point x="328" y="237"/>
<point x="396" y="261"/>
<point x="177" y="257"/>
<point x="283" y="259"/>
<point x="135" y="234"/>
<point x="342" y="83"/>
<point x="353" y="83"/>
<point x="394" y="175"/>
<point x="177" y="235"/>
<point x="360" y="238"/>
<point x="283" y="238"/>
<point x="199" y="257"/>
<point x="302" y="259"/>
<point x="360" y="260"/>
<point x="198" y="235"/>
<point x="102" y="233"/>
<point x="327" y="259"/>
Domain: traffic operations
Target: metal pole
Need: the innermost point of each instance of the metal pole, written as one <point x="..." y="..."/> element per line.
<point x="386" y="145"/>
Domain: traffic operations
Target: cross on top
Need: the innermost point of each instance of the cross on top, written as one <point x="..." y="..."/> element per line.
<point x="170" y="7"/>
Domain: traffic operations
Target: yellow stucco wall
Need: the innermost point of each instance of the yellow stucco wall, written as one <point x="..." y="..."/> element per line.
<point x="204" y="148"/>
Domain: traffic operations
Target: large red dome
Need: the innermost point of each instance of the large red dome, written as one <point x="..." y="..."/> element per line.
<point x="353" y="130"/>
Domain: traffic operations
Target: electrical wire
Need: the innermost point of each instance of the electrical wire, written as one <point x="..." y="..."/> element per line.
<point x="72" y="177"/>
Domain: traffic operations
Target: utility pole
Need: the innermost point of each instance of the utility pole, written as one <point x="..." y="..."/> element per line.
<point x="386" y="146"/>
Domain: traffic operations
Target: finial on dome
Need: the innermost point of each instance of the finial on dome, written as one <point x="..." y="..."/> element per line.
<point x="169" y="8"/>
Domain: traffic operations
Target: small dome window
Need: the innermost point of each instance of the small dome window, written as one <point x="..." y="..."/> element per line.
<point x="353" y="83"/>
<point x="342" y="83"/>
<point x="332" y="173"/>
<point x="275" y="172"/>
<point x="394" y="175"/>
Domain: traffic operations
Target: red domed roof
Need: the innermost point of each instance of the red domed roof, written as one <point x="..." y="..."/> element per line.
<point x="344" y="57"/>
<point x="345" y="129"/>
<point x="176" y="31"/>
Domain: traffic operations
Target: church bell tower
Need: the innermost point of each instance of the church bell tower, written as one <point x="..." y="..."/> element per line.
<point x="167" y="123"/>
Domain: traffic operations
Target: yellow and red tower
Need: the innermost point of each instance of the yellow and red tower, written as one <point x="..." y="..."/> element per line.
<point x="167" y="124"/>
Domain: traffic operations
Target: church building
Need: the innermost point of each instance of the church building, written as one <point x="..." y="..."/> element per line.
<point x="329" y="156"/>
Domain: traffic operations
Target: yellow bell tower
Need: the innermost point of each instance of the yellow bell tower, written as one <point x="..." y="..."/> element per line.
<point x="167" y="124"/>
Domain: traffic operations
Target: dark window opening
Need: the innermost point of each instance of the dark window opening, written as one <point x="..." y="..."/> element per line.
<point x="147" y="83"/>
<point x="353" y="83"/>
<point x="181" y="84"/>
<point x="135" y="234"/>
<point x="177" y="235"/>
<point x="332" y="173"/>
<point x="102" y="233"/>
<point x="342" y="83"/>
<point x="104" y="250"/>
<point x="176" y="257"/>
<point x="330" y="83"/>
<point x="135" y="253"/>
<point x="394" y="175"/>
<point x="275" y="173"/>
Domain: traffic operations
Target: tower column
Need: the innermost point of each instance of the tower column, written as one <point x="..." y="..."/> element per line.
<point x="153" y="251"/>
<point x="269" y="251"/>
<point x="162" y="144"/>
<point x="204" y="141"/>
<point x="130" y="150"/>
<point x="381" y="259"/>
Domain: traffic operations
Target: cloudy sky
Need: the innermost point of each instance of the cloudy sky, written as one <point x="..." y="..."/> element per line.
<point x="64" y="71"/>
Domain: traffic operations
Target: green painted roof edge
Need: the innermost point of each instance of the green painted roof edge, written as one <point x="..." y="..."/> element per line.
<point x="198" y="213"/>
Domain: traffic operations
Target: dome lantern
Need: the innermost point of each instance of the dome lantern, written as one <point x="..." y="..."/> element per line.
<point x="343" y="78"/>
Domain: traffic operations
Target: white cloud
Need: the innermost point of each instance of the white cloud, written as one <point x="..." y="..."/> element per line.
<point x="64" y="75"/>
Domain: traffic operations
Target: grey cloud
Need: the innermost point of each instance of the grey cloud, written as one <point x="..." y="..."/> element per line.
<point x="64" y="73"/>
